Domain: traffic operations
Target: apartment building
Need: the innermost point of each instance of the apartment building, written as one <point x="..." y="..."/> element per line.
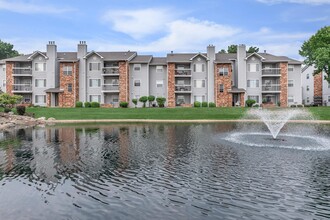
<point x="61" y="79"/>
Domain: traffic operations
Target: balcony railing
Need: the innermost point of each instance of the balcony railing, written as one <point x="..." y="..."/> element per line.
<point x="22" y="71"/>
<point x="22" y="87"/>
<point x="111" y="70"/>
<point x="186" y="72"/>
<point x="271" y="88"/>
<point x="271" y="71"/>
<point x="183" y="88"/>
<point x="110" y="87"/>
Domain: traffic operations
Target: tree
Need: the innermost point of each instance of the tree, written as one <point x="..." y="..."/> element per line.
<point x="222" y="51"/>
<point x="7" y="51"/>
<point x="151" y="98"/>
<point x="135" y="101"/>
<point x="161" y="101"/>
<point x="316" y="51"/>
<point x="144" y="99"/>
<point x="8" y="101"/>
<point x="232" y="49"/>
<point x="253" y="50"/>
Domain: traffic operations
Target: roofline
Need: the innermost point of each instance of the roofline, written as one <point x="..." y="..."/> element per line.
<point x="67" y="61"/>
<point x="131" y="57"/>
<point x="199" y="54"/>
<point x="179" y="61"/>
<point x="255" y="53"/>
<point x="88" y="54"/>
<point x="37" y="52"/>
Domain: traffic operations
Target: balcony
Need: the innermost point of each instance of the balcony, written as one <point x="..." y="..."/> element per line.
<point x="114" y="88"/>
<point x="183" y="72"/>
<point x="22" y="88"/>
<point x="183" y="88"/>
<point x="22" y="71"/>
<point x="110" y="71"/>
<point x="271" y="72"/>
<point x="268" y="88"/>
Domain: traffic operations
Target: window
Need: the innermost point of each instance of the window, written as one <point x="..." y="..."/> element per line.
<point x="254" y="97"/>
<point x="180" y="82"/>
<point x="95" y="98"/>
<point x="221" y="87"/>
<point x="328" y="85"/>
<point x="137" y="82"/>
<point x="199" y="67"/>
<point x="290" y="68"/>
<point x="253" y="67"/>
<point x="307" y="76"/>
<point x="328" y="98"/>
<point x="199" y="98"/>
<point x="70" y="87"/>
<point x="159" y="69"/>
<point x="115" y="100"/>
<point x="290" y="83"/>
<point x="307" y="88"/>
<point x="180" y="99"/>
<point x="137" y="67"/>
<point x="40" y="99"/>
<point x="223" y="71"/>
<point x="199" y="83"/>
<point x="94" y="66"/>
<point x="4" y="83"/>
<point x="39" y="67"/>
<point x="67" y="70"/>
<point x="290" y="99"/>
<point x="137" y="97"/>
<point x="159" y="83"/>
<point x="307" y="99"/>
<point x="253" y="83"/>
<point x="94" y="83"/>
<point x="40" y="83"/>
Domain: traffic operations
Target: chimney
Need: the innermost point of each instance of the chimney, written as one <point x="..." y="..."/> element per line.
<point x="211" y="52"/>
<point x="82" y="49"/>
<point x="51" y="50"/>
<point x="241" y="66"/>
<point x="210" y="78"/>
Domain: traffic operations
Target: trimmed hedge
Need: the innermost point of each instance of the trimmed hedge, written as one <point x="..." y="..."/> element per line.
<point x="79" y="104"/>
<point x="95" y="105"/>
<point x="197" y="104"/>
<point x="123" y="104"/>
<point x="20" y="109"/>
<point x="87" y="104"/>
<point x="212" y="105"/>
<point x="204" y="104"/>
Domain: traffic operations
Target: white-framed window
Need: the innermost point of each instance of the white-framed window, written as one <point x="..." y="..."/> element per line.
<point x="137" y="67"/>
<point x="199" y="83"/>
<point x="254" y="97"/>
<point x="223" y="71"/>
<point x="199" y="67"/>
<point x="95" y="98"/>
<point x="328" y="85"/>
<point x="115" y="100"/>
<point x="290" y="99"/>
<point x="94" y="83"/>
<point x="159" y="69"/>
<point x="94" y="66"/>
<point x="159" y="83"/>
<point x="40" y="83"/>
<point x="4" y="83"/>
<point x="180" y="82"/>
<point x="307" y="99"/>
<point x="221" y="88"/>
<point x="180" y="99"/>
<point x="253" y="67"/>
<point x="328" y="98"/>
<point x="307" y="76"/>
<point x="253" y="83"/>
<point x="69" y="87"/>
<point x="40" y="99"/>
<point x="40" y="67"/>
<point x="137" y="82"/>
<point x="290" y="83"/>
<point x="67" y="69"/>
<point x="199" y="98"/>
<point x="290" y="68"/>
<point x="307" y="88"/>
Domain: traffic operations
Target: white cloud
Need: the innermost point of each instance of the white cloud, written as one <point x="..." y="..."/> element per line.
<point x="138" y="23"/>
<point x="29" y="7"/>
<point x="311" y="2"/>
<point x="317" y="19"/>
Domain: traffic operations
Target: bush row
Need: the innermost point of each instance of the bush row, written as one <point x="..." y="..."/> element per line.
<point x="204" y="104"/>
<point x="88" y="105"/>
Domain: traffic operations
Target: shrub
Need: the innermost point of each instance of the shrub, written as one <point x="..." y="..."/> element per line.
<point x="204" y="104"/>
<point x="87" y="104"/>
<point x="161" y="101"/>
<point x="256" y="106"/>
<point x="293" y="106"/>
<point x="278" y="103"/>
<point x="95" y="105"/>
<point x="135" y="101"/>
<point x="20" y="109"/>
<point x="123" y="104"/>
<point x="151" y="98"/>
<point x="79" y="104"/>
<point x="300" y="106"/>
<point x="264" y="100"/>
<point x="197" y="104"/>
<point x="143" y="99"/>
<point x="250" y="102"/>
<point x="212" y="105"/>
<point x="6" y="109"/>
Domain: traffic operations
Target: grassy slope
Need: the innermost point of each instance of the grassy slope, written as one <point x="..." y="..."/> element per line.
<point x="138" y="113"/>
<point x="320" y="113"/>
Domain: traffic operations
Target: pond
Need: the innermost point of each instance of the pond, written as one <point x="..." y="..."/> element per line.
<point x="164" y="171"/>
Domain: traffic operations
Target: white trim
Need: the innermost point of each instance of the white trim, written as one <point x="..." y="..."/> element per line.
<point x="89" y="83"/>
<point x="199" y="54"/>
<point x="35" y="53"/>
<point x="195" y="83"/>
<point x="92" y="52"/>
<point x="35" y="85"/>
<point x="136" y="80"/>
<point x="262" y="58"/>
<point x="137" y="65"/>
<point x="292" y="83"/>
<point x="45" y="64"/>
<point x="89" y="97"/>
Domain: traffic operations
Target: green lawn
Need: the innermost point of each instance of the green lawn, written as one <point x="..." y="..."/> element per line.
<point x="138" y="113"/>
<point x="320" y="113"/>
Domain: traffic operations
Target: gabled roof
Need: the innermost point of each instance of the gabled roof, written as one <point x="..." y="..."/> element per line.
<point x="225" y="57"/>
<point x="182" y="57"/>
<point x="67" y="56"/>
<point x="254" y="54"/>
<point x="37" y="53"/>
<point x="18" y="58"/>
<point x="199" y="54"/>
<point x="91" y="53"/>
<point x="141" y="59"/>
<point x="158" y="61"/>
<point x="117" y="56"/>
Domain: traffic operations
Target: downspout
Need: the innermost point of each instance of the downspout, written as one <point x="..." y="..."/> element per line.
<point x="74" y="81"/>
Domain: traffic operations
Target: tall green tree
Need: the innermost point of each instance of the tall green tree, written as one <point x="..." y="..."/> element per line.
<point x="7" y="50"/>
<point x="253" y="50"/>
<point x="222" y="51"/>
<point x="316" y="51"/>
<point x="232" y="48"/>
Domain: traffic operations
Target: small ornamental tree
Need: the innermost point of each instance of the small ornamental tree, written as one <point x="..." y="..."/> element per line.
<point x="8" y="101"/>
<point x="161" y="101"/>
<point x="151" y="98"/>
<point x="135" y="101"/>
<point x="250" y="102"/>
<point x="143" y="99"/>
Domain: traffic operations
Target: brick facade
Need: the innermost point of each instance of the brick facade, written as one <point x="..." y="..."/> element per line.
<point x="67" y="98"/>
<point x="9" y="77"/>
<point x="223" y="99"/>
<point x="171" y="85"/>
<point x="318" y="85"/>
<point x="123" y="82"/>
<point x="284" y="84"/>
<point x="242" y="101"/>
<point x="48" y="99"/>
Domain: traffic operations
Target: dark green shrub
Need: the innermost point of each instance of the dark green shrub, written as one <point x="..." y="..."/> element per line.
<point x="6" y="110"/>
<point x="278" y="103"/>
<point x="300" y="106"/>
<point x="161" y="101"/>
<point x="79" y="104"/>
<point x="250" y="102"/>
<point x="20" y="109"/>
<point x="151" y="99"/>
<point x="293" y="106"/>
<point x="204" y="104"/>
<point x="87" y="104"/>
<point x="95" y="105"/>
<point x="197" y="104"/>
<point x="144" y="99"/>
<point x="212" y="105"/>
<point x="123" y="104"/>
<point x="255" y="106"/>
<point x="135" y="101"/>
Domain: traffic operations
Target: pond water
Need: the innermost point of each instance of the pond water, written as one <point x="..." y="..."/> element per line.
<point x="164" y="171"/>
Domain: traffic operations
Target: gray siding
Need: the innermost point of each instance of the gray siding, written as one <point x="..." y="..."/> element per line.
<point x="94" y="74"/>
<point x="295" y="91"/>
<point x="3" y="77"/>
<point x="143" y="89"/>
<point x="153" y="77"/>
<point x="254" y="60"/>
<point x="307" y="96"/>
<point x="82" y="51"/>
<point x="325" y="91"/>
<point x="48" y="74"/>
<point x="199" y="76"/>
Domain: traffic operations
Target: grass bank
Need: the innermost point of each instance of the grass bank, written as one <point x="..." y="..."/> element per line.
<point x="320" y="113"/>
<point x="139" y="113"/>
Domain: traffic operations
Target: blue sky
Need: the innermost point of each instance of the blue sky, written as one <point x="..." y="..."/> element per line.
<point x="157" y="27"/>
